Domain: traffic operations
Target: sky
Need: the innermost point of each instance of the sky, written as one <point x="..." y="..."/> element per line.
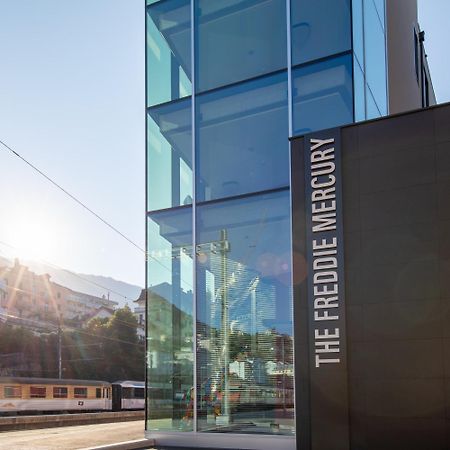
<point x="434" y="19"/>
<point x="72" y="102"/>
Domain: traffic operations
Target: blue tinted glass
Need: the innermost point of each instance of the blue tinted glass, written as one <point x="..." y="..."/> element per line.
<point x="168" y="51"/>
<point x="238" y="39"/>
<point x="372" y="109"/>
<point x="375" y="55"/>
<point x="380" y="5"/>
<point x="319" y="28"/>
<point x="358" y="30"/>
<point x="169" y="155"/>
<point x="322" y="95"/>
<point x="241" y="136"/>
<point x="169" y="320"/>
<point x="360" y="93"/>
<point x="244" y="316"/>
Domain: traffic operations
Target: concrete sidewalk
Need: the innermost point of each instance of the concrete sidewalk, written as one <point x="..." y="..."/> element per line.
<point x="74" y="437"/>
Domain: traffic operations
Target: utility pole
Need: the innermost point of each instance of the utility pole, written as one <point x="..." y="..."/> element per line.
<point x="225" y="323"/>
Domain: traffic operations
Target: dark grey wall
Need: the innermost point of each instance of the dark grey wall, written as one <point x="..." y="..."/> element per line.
<point x="396" y="210"/>
<point x="396" y="184"/>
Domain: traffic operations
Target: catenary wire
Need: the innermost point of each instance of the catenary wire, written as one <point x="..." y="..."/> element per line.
<point x="25" y="291"/>
<point x="75" y="199"/>
<point x="55" y="328"/>
<point x="71" y="273"/>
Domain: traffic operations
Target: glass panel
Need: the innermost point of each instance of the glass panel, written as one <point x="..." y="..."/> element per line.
<point x="244" y="312"/>
<point x="358" y="31"/>
<point x="13" y="392"/>
<point x="319" y="28"/>
<point x="169" y="160"/>
<point x="168" y="51"/>
<point x="242" y="141"/>
<point x="80" y="392"/>
<point x="360" y="93"/>
<point x="372" y="109"/>
<point x="238" y="39"/>
<point x="379" y="4"/>
<point x="169" y="321"/>
<point x="59" y="392"/>
<point x="139" y="393"/>
<point x="375" y="55"/>
<point x="322" y="95"/>
<point x="37" y="392"/>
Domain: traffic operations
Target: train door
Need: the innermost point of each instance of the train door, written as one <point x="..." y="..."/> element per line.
<point x="116" y="397"/>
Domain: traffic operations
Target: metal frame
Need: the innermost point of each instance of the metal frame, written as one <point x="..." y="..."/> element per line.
<point x="194" y="217"/>
<point x="146" y="219"/>
<point x="224" y="440"/>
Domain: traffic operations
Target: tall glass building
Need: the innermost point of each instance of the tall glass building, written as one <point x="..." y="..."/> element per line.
<point x="228" y="82"/>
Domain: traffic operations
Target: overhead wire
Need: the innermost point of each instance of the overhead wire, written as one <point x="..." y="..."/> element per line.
<point x="54" y="328"/>
<point x="26" y="291"/>
<point x="55" y="266"/>
<point x="87" y="208"/>
<point x="75" y="199"/>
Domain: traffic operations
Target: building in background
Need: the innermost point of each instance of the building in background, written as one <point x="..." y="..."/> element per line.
<point x="34" y="296"/>
<point x="139" y="313"/>
<point x="228" y="83"/>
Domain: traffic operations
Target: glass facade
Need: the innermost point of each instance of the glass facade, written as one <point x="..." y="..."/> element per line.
<point x="369" y="53"/>
<point x="244" y="315"/>
<point x="228" y="81"/>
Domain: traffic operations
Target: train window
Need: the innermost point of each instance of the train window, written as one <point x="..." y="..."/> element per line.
<point x="80" y="392"/>
<point x="98" y="393"/>
<point x="59" y="392"/>
<point x="138" y="392"/>
<point x="37" y="392"/>
<point x="13" y="391"/>
<point x="127" y="392"/>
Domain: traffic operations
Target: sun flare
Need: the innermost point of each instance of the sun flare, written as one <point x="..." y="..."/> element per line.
<point x="33" y="237"/>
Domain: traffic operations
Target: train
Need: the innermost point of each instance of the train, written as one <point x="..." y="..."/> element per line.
<point x="23" y="395"/>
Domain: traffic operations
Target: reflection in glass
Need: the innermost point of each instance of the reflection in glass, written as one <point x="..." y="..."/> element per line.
<point x="358" y="30"/>
<point x="169" y="321"/>
<point x="169" y="147"/>
<point x="244" y="316"/>
<point x="316" y="34"/>
<point x="237" y="40"/>
<point x="380" y="5"/>
<point x="242" y="142"/>
<point x="322" y="95"/>
<point x="372" y="109"/>
<point x="360" y="92"/>
<point x="375" y="55"/>
<point x="168" y="51"/>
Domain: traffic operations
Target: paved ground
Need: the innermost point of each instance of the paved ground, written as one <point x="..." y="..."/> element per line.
<point x="72" y="438"/>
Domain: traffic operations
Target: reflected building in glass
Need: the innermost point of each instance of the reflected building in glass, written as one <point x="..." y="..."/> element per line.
<point x="228" y="82"/>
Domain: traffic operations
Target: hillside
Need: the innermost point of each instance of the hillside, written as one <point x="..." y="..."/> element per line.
<point x="98" y="285"/>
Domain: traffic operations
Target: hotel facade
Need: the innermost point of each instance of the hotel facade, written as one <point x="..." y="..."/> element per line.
<point x="242" y="264"/>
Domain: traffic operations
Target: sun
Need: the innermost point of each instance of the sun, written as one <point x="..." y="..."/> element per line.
<point x="33" y="236"/>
